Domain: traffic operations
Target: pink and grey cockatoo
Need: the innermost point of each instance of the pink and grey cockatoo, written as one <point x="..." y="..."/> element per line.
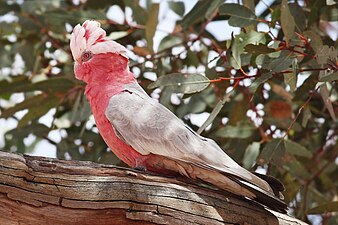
<point x="143" y="133"/>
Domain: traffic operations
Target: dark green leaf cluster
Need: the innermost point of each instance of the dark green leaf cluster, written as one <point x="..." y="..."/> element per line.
<point x="269" y="91"/>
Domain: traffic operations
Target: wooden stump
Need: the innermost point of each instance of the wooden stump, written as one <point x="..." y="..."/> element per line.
<point x="37" y="190"/>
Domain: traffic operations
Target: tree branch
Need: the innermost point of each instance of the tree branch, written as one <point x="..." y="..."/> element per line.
<point x="36" y="190"/>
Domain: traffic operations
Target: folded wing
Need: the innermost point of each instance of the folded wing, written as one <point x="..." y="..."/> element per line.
<point x="150" y="128"/>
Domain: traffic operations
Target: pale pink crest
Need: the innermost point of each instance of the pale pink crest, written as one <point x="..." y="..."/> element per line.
<point x="91" y="37"/>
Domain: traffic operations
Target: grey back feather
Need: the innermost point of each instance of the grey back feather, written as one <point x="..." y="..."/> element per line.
<point x="150" y="128"/>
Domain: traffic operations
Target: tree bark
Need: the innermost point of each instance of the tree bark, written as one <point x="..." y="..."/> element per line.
<point x="37" y="190"/>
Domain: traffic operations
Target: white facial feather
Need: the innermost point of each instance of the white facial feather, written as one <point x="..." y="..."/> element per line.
<point x="91" y="37"/>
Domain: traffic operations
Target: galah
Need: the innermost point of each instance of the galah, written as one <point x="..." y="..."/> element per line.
<point x="145" y="134"/>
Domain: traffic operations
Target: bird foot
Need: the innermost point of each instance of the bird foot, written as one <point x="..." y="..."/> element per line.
<point x="141" y="168"/>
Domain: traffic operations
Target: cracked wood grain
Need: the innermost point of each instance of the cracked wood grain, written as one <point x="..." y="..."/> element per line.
<point x="37" y="190"/>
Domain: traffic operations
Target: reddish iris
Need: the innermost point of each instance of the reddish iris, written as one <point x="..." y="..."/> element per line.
<point x="86" y="56"/>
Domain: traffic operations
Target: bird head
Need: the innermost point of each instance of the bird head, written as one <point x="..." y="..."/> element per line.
<point x="92" y="49"/>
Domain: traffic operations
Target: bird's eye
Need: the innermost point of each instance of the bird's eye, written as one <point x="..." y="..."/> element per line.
<point x="86" y="55"/>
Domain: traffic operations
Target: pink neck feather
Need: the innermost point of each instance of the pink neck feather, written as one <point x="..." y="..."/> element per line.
<point x="105" y="75"/>
<point x="105" y="69"/>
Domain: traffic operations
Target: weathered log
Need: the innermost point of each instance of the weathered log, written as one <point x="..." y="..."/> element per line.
<point x="37" y="190"/>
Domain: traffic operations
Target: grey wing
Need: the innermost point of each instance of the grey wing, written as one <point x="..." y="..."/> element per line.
<point x="150" y="128"/>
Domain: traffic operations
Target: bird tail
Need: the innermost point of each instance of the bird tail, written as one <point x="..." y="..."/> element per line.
<point x="227" y="181"/>
<point x="237" y="186"/>
<point x="234" y="184"/>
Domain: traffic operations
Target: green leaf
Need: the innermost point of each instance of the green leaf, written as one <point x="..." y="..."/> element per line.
<point x="324" y="52"/>
<point x="6" y="8"/>
<point x="300" y="19"/>
<point x="14" y="84"/>
<point x="242" y="130"/>
<point x="258" y="81"/>
<point x="23" y="84"/>
<point x="182" y="83"/>
<point x="258" y="49"/>
<point x="275" y="15"/>
<point x="324" y="208"/>
<point x="283" y="62"/>
<point x="7" y="28"/>
<point x="39" y="110"/>
<point x="291" y="80"/>
<point x="53" y="85"/>
<point x="31" y="102"/>
<point x="196" y="14"/>
<point x="40" y="7"/>
<point x="26" y="52"/>
<point x="296" y="149"/>
<point x="177" y="7"/>
<point x="250" y="155"/>
<point x="152" y="24"/>
<point x="212" y="8"/>
<point x="37" y="129"/>
<point x="191" y="59"/>
<point x="238" y="110"/>
<point x="215" y="111"/>
<point x="240" y="16"/>
<point x="197" y="103"/>
<point x="238" y="44"/>
<point x="324" y="92"/>
<point x="168" y="42"/>
<point x="330" y="13"/>
<point x="315" y="39"/>
<point x="250" y="4"/>
<point x="296" y="168"/>
<point x="6" y="58"/>
<point x="270" y="150"/>
<point x="306" y="116"/>
<point x="117" y="35"/>
<point x="94" y="4"/>
<point x="81" y="109"/>
<point x="329" y="78"/>
<point x="287" y="21"/>
<point x="139" y="14"/>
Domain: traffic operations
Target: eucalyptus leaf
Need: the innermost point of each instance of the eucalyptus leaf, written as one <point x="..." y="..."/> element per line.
<point x="283" y="62"/>
<point x="140" y="15"/>
<point x="272" y="148"/>
<point x="196" y="14"/>
<point x="306" y="116"/>
<point x="215" y="111"/>
<point x="152" y="24"/>
<point x="258" y="81"/>
<point x="287" y="21"/>
<point x="182" y="83"/>
<point x="15" y="84"/>
<point x="324" y="208"/>
<point x="177" y="7"/>
<point x="297" y="169"/>
<point x="330" y="77"/>
<point x="291" y="80"/>
<point x="213" y="7"/>
<point x="242" y="130"/>
<point x="324" y="92"/>
<point x="53" y="85"/>
<point x="117" y="35"/>
<point x="250" y="155"/>
<point x="28" y="103"/>
<point x="239" y="43"/>
<point x="258" y="49"/>
<point x="296" y="149"/>
<point x="36" y="111"/>
<point x="168" y="42"/>
<point x="240" y="16"/>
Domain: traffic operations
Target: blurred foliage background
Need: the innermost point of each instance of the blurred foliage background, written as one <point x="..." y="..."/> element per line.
<point x="259" y="77"/>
